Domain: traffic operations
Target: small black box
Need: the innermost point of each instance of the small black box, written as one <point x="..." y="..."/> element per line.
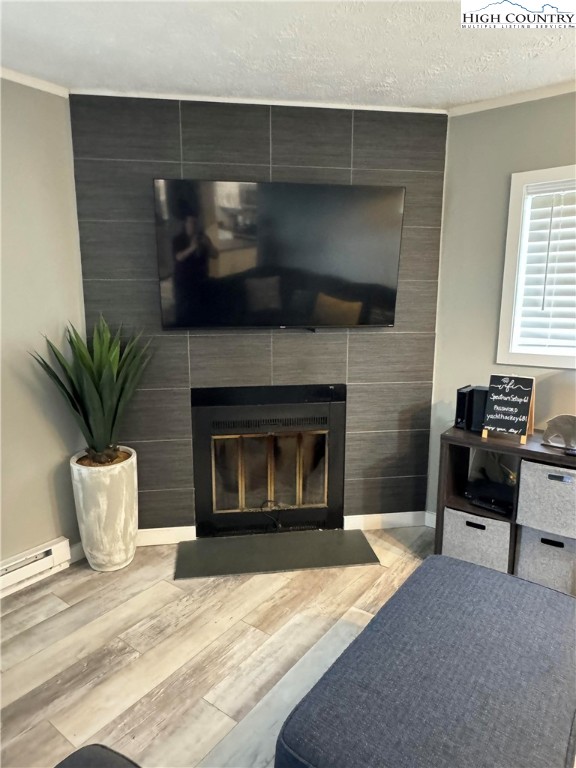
<point x="461" y="405"/>
<point x="470" y="408"/>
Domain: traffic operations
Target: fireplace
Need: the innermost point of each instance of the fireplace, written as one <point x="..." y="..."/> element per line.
<point x="268" y="458"/>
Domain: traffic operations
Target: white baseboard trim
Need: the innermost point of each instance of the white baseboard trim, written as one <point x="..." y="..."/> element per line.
<point x="77" y="552"/>
<point x="430" y="519"/>
<point x="33" y="565"/>
<point x="393" y="520"/>
<point x="150" y="536"/>
<point x="32" y="580"/>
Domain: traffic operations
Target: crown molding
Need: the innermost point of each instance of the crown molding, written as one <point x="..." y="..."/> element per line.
<point x="463" y="109"/>
<point x="516" y="98"/>
<point x="33" y="82"/>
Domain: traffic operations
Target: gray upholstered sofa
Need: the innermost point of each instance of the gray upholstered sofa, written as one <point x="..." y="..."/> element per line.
<point x="464" y="667"/>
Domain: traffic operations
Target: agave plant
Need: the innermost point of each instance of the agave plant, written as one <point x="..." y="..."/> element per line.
<point x="98" y="383"/>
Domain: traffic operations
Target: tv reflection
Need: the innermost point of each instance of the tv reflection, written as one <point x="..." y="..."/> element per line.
<point x="193" y="252"/>
<point x="251" y="255"/>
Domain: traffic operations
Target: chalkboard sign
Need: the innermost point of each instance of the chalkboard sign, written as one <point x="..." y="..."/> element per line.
<point x="510" y="406"/>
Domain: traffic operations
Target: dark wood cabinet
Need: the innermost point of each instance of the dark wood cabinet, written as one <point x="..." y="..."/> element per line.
<point x="457" y="446"/>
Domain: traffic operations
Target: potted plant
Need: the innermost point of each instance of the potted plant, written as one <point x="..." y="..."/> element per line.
<point x="97" y="383"/>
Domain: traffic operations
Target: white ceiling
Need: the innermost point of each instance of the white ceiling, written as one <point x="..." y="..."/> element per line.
<point x="395" y="54"/>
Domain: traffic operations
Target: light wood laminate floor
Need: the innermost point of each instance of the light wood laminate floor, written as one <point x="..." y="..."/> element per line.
<point x="180" y="673"/>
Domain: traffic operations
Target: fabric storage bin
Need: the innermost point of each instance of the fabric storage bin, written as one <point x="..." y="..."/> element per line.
<point x="546" y="558"/>
<point x="476" y="539"/>
<point x="547" y="498"/>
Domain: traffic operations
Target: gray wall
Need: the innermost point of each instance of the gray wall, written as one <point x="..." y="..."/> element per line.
<point x="483" y="150"/>
<point x="41" y="292"/>
<point x="121" y="144"/>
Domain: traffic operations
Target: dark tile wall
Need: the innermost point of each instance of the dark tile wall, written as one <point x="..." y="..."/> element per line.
<point x="121" y="144"/>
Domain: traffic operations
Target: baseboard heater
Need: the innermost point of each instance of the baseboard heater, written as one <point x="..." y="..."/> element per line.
<point x="37" y="563"/>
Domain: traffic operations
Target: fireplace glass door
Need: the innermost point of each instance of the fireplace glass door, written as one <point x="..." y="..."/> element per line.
<point x="261" y="472"/>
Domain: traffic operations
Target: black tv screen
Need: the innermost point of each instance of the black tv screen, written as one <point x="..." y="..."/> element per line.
<point x="243" y="254"/>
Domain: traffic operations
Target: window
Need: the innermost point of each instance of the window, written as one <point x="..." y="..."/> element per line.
<point x="538" y="316"/>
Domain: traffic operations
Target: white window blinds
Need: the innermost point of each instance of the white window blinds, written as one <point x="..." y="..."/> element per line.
<point x="544" y="320"/>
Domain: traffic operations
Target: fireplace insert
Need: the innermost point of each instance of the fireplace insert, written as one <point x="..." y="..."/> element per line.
<point x="268" y="458"/>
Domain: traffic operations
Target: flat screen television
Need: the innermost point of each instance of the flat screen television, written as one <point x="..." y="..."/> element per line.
<point x="241" y="254"/>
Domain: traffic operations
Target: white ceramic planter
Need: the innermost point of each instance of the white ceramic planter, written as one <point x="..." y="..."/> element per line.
<point x="107" y="508"/>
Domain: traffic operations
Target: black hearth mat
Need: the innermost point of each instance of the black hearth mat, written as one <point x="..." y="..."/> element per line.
<point x="270" y="552"/>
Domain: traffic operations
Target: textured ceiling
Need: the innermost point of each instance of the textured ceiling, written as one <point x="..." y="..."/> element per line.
<point x="403" y="54"/>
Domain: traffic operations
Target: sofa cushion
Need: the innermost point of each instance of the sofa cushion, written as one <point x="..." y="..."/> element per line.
<point x="464" y="667"/>
<point x="96" y="756"/>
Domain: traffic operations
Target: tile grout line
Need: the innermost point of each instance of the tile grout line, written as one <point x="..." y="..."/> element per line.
<point x="55" y="595"/>
<point x="122" y="640"/>
<point x="255" y="165"/>
<point x="271" y="357"/>
<point x="352" y="149"/>
<point x="169" y="440"/>
<point x="164" y="490"/>
<point x="347" y="354"/>
<point x="58" y="731"/>
<point x="180" y="131"/>
<point x="176" y="598"/>
<point x="384" y="477"/>
<point x="189" y="366"/>
<point x="120" y="280"/>
<point x="270" y="139"/>
<point x="377" y="383"/>
<point x="82" y="220"/>
<point x="130" y="160"/>
<point x="211" y="704"/>
<point x="243" y="620"/>
<point x="382" y="431"/>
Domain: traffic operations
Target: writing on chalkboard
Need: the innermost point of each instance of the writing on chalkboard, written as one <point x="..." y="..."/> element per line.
<point x="510" y="405"/>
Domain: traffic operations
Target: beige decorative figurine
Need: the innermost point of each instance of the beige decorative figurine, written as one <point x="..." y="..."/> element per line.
<point x="561" y="427"/>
